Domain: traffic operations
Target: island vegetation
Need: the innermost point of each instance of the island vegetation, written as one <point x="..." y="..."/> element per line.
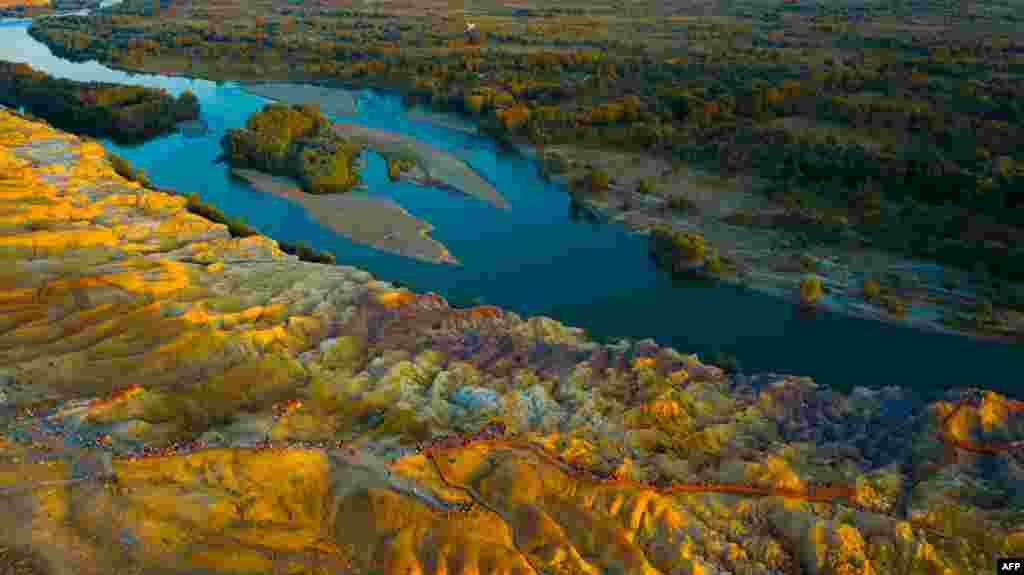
<point x="295" y="141"/>
<point x="125" y="114"/>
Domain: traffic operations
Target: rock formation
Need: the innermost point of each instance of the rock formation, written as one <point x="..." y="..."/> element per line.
<point x="177" y="401"/>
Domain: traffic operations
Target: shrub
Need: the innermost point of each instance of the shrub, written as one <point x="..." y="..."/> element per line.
<point x="597" y="180"/>
<point x="872" y="288"/>
<point x="741" y="217"/>
<point x="328" y="167"/>
<point x="239" y="229"/>
<point x="556" y="162"/>
<point x="808" y="262"/>
<point x="691" y="246"/>
<point x="202" y="209"/>
<point x="681" y="203"/>
<point x="895" y="305"/>
<point x="713" y="264"/>
<point x="306" y="253"/>
<point x="126" y="170"/>
<point x="398" y="166"/>
<point x="811" y="290"/>
<point x="647" y="185"/>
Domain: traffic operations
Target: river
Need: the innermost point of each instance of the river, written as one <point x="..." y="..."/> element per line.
<point x="541" y="258"/>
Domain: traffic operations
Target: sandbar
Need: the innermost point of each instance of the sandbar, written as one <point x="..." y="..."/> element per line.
<point x="374" y="221"/>
<point x="442" y="169"/>
<point x="332" y="101"/>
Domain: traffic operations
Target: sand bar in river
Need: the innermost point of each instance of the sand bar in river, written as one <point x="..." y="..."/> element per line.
<point x="332" y="101"/>
<point x="442" y="169"/>
<point x="374" y="221"/>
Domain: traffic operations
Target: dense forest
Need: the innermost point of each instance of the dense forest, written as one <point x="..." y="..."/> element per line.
<point x="125" y="114"/>
<point x="294" y="141"/>
<point x="901" y="123"/>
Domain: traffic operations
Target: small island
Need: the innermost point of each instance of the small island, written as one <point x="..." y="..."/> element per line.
<point x="295" y="141"/>
<point x="282" y="143"/>
<point x="125" y="114"/>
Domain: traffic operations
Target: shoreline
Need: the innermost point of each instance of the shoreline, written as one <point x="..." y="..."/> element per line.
<point x="534" y="153"/>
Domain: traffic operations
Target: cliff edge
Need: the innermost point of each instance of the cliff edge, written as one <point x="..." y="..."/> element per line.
<point x="173" y="400"/>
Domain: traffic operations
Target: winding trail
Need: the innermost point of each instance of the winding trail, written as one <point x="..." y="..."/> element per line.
<point x="494" y="436"/>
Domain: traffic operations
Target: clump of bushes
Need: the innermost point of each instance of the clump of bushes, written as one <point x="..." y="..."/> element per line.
<point x="647" y="185"/>
<point x="741" y="217"/>
<point x="399" y="166"/>
<point x="808" y="262"/>
<point x="894" y="305"/>
<point x="295" y="141"/>
<point x="678" y="250"/>
<point x="713" y="264"/>
<point x="306" y="253"/>
<point x="595" y="181"/>
<point x="681" y="203"/>
<point x="811" y="290"/>
<point x="555" y="162"/>
<point x="691" y="246"/>
<point x="126" y="170"/>
<point x="872" y="288"/>
<point x="236" y="226"/>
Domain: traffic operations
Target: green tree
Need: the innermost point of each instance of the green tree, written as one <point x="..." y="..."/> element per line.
<point x="811" y="290"/>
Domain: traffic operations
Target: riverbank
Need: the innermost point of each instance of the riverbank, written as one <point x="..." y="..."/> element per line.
<point x="737" y="223"/>
<point x="763" y="258"/>
<point x="768" y="259"/>
<point x="150" y="365"/>
<point x="560" y="100"/>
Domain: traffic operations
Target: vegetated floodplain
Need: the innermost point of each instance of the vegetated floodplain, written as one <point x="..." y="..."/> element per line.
<point x="125" y="114"/>
<point x="849" y="133"/>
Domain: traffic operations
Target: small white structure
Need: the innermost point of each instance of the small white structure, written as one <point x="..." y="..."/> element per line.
<point x="470" y="27"/>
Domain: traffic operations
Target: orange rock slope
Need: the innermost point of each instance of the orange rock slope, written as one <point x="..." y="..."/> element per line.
<point x="173" y="400"/>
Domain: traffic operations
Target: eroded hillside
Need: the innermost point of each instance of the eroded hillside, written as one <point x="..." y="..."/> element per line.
<point x="177" y="401"/>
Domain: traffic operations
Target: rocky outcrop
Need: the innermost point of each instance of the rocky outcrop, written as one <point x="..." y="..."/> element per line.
<point x="178" y="401"/>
